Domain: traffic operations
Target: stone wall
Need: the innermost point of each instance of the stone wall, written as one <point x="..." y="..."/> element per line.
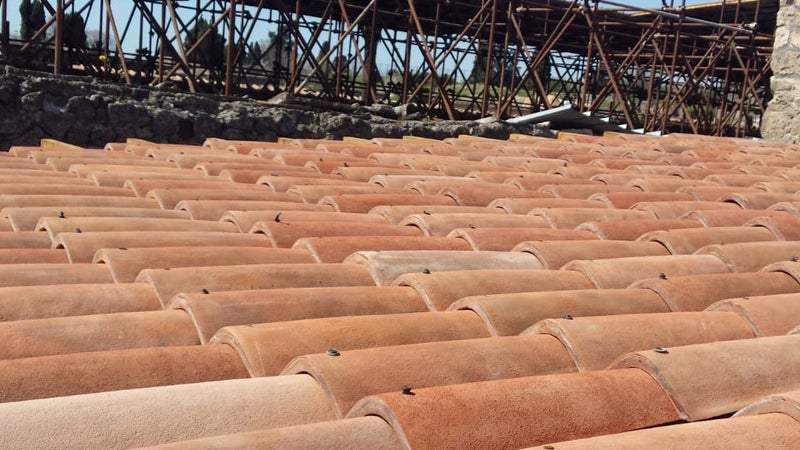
<point x="781" y="121"/>
<point x="90" y="113"/>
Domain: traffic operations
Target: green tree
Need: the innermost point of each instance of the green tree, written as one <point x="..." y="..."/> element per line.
<point x="256" y="53"/>
<point x="74" y="34"/>
<point x="210" y="52"/>
<point x="31" y="18"/>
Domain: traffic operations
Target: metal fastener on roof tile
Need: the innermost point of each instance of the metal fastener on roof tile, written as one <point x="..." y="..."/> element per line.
<point x="426" y="271"/>
<point x="332" y="352"/>
<point x="78" y="230"/>
<point x="567" y="316"/>
<point x="205" y="291"/>
<point x="793" y="259"/>
<point x="406" y="390"/>
<point x="61" y="215"/>
<point x="662" y="275"/>
<point x="661" y="350"/>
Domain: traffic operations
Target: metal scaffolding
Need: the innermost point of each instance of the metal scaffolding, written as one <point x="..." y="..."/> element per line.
<point x="698" y="69"/>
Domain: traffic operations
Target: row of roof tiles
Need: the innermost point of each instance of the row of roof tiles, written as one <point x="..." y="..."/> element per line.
<point x="168" y="292"/>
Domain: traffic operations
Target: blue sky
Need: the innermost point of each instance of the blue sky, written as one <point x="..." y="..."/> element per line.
<point x="122" y="9"/>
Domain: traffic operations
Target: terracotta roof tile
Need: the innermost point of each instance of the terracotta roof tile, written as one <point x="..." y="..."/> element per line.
<point x="271" y="305"/>
<point x="215" y="169"/>
<point x="463" y="168"/>
<point x="627" y="199"/>
<point x="24" y="240"/>
<point x="74" y="334"/>
<point x="328" y="167"/>
<point x="689" y="240"/>
<point x="753" y="256"/>
<point x="712" y="193"/>
<point x="281" y="183"/>
<point x="785" y="228"/>
<point x="35" y="171"/>
<point x="779" y="187"/>
<point x="81" y="247"/>
<point x="65" y="164"/>
<point x="395" y="214"/>
<point x="763" y="430"/>
<point x="244" y="220"/>
<point x="583" y="191"/>
<point x="56" y="225"/>
<point x="169" y="198"/>
<point x="441" y="224"/>
<point x="363" y="203"/>
<point x="621" y="272"/>
<point x="617" y="179"/>
<point x="75" y="200"/>
<point x="44" y="179"/>
<point x="553" y="254"/>
<point x="624" y="333"/>
<point x="667" y="183"/>
<point x="434" y="186"/>
<point x="787" y="403"/>
<point x="697" y="292"/>
<point x="336" y="249"/>
<point x="267" y="348"/>
<point x="753" y="200"/>
<point x="142" y="186"/>
<point x="359" y="432"/>
<point x="524" y="205"/>
<point x="215" y="209"/>
<point x="163" y="152"/>
<point x="83" y="373"/>
<point x="505" y="239"/>
<point x="534" y="181"/>
<point x="52" y="273"/>
<point x="252" y="175"/>
<point x="35" y="300"/>
<point x="169" y="282"/>
<point x="358" y="373"/>
<point x="769" y="315"/>
<point x="676" y="209"/>
<point x="482" y="194"/>
<point x="442" y="289"/>
<point x="148" y="416"/>
<point x="519" y="162"/>
<point x="285" y="234"/>
<point x="633" y="164"/>
<point x="103" y="176"/>
<point x="365" y="173"/>
<point x="630" y="230"/>
<point x="735" y="373"/>
<point x="572" y="217"/>
<point x="510" y="314"/>
<point x="502" y="176"/>
<point x="213" y="311"/>
<point x="741" y="180"/>
<point x="728" y="218"/>
<point x="32" y="256"/>
<point x="40" y="155"/>
<point x="26" y="218"/>
<point x="498" y="414"/>
<point x="126" y="263"/>
<point x="386" y="266"/>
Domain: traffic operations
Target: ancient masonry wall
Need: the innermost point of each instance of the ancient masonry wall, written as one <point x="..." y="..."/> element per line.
<point x="782" y="120"/>
<point x="89" y="113"/>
